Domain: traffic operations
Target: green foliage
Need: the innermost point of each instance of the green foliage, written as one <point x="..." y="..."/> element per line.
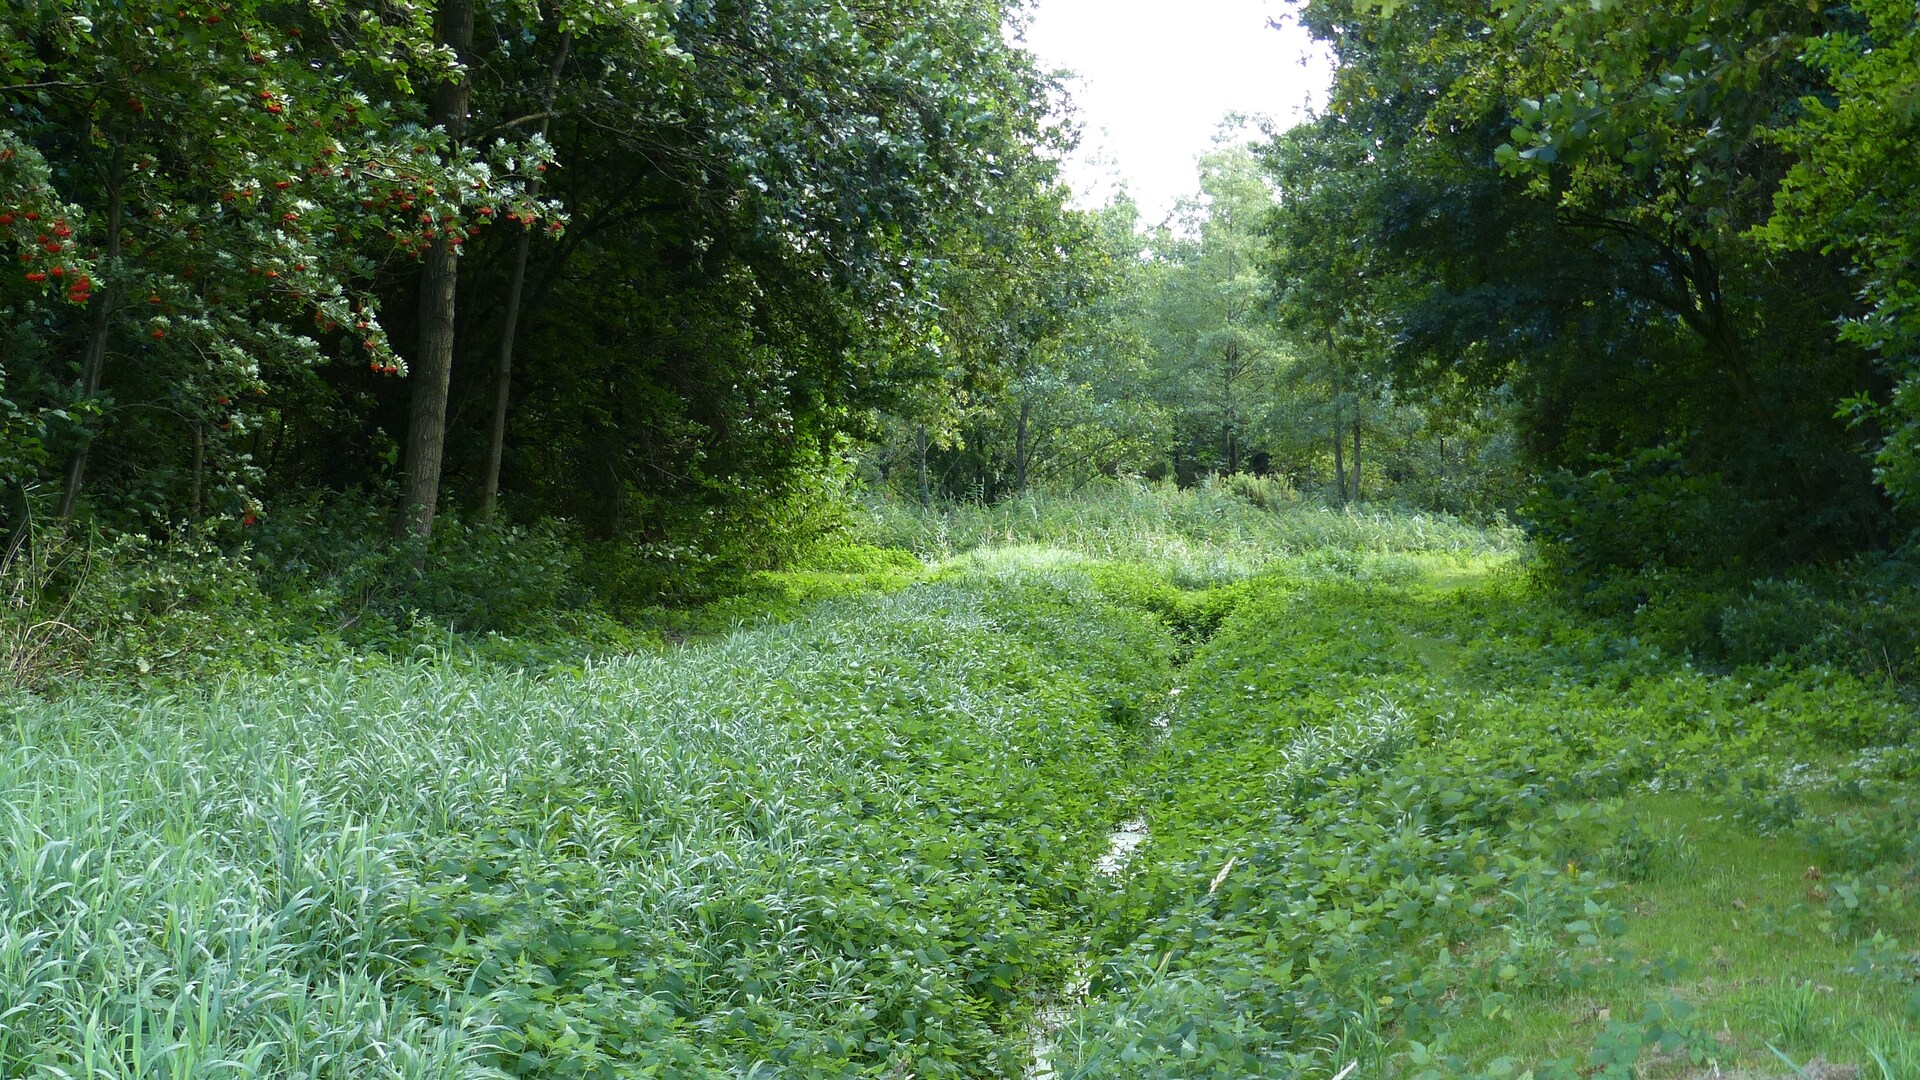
<point x="847" y="848"/>
<point x="1551" y="207"/>
<point x="1199" y="536"/>
<point x="1850" y="191"/>
<point x="334" y="554"/>
<point x="1646" y="512"/>
<point x="1396" y="794"/>
<point x="218" y="225"/>
<point x="1387" y="808"/>
<point x="131" y="607"/>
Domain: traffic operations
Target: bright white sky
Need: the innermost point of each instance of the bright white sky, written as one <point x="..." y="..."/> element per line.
<point x="1155" y="78"/>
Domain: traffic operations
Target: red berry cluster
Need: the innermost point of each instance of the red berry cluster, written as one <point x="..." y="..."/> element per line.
<point x="51" y="244"/>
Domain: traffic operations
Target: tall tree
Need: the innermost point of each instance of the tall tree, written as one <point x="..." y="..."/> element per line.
<point x="1214" y="336"/>
<point x="198" y="193"/>
<point x="439" y="284"/>
<point x="1557" y="201"/>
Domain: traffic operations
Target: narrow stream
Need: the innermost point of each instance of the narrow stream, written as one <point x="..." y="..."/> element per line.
<point x="1053" y="1015"/>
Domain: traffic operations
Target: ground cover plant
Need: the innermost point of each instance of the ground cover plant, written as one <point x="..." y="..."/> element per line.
<point x="1407" y="810"/>
<point x="1424" y="820"/>
<point x="1196" y="536"/>
<point x="838" y="848"/>
<point x="666" y="537"/>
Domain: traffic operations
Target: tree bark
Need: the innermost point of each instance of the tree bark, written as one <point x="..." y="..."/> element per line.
<point x="503" y="365"/>
<point x="199" y="468"/>
<point x="926" y="495"/>
<point x="1228" y="451"/>
<point x="1021" y="448"/>
<point x="93" y="360"/>
<point x="439" y="282"/>
<point x="1356" y="452"/>
<point x="1339" y="464"/>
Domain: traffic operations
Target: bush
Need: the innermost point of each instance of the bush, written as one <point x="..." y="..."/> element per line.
<point x="133" y="605"/>
<point x="334" y="557"/>
<point x="1265" y="492"/>
<point x="1643" y="513"/>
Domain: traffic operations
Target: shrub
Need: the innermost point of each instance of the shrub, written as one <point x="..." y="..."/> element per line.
<point x="131" y="606"/>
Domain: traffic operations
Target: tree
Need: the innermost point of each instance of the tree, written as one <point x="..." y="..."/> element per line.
<point x="199" y="200"/>
<point x="1853" y="190"/>
<point x="1556" y="204"/>
<point x="1212" y="334"/>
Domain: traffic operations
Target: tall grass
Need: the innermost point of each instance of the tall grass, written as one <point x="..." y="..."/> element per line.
<point x="1200" y="535"/>
<point x="821" y="849"/>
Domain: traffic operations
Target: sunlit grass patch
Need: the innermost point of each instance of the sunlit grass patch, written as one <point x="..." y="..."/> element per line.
<point x="1430" y="824"/>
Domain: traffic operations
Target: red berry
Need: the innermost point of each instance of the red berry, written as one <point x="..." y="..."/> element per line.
<point x="158" y="333"/>
<point x="36" y="277"/>
<point x="6" y="219"/>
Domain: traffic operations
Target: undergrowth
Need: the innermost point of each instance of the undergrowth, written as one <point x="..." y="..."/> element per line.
<point x="1411" y="813"/>
<point x="849" y="847"/>
<point x="1395" y="821"/>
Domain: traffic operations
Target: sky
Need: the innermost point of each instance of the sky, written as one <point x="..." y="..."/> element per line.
<point x="1154" y="78"/>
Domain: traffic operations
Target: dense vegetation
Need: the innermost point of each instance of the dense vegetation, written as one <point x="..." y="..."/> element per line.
<point x="640" y="265"/>
<point x="1402" y="808"/>
<point x="610" y="539"/>
<point x="655" y="282"/>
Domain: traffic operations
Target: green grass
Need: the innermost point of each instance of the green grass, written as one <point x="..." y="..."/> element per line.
<point x="1196" y="536"/>
<point x="1409" y="815"/>
<point x="1736" y="923"/>
<point x="1431" y="824"/>
<point x="853" y="845"/>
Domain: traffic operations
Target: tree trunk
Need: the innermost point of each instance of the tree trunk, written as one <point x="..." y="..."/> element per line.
<point x="93" y="360"/>
<point x="1021" y="449"/>
<point x="1356" y="453"/>
<point x="439" y="281"/>
<point x="1339" y="464"/>
<point x="926" y="495"/>
<point x="1229" y="453"/>
<point x="199" y="468"/>
<point x="510" y="324"/>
